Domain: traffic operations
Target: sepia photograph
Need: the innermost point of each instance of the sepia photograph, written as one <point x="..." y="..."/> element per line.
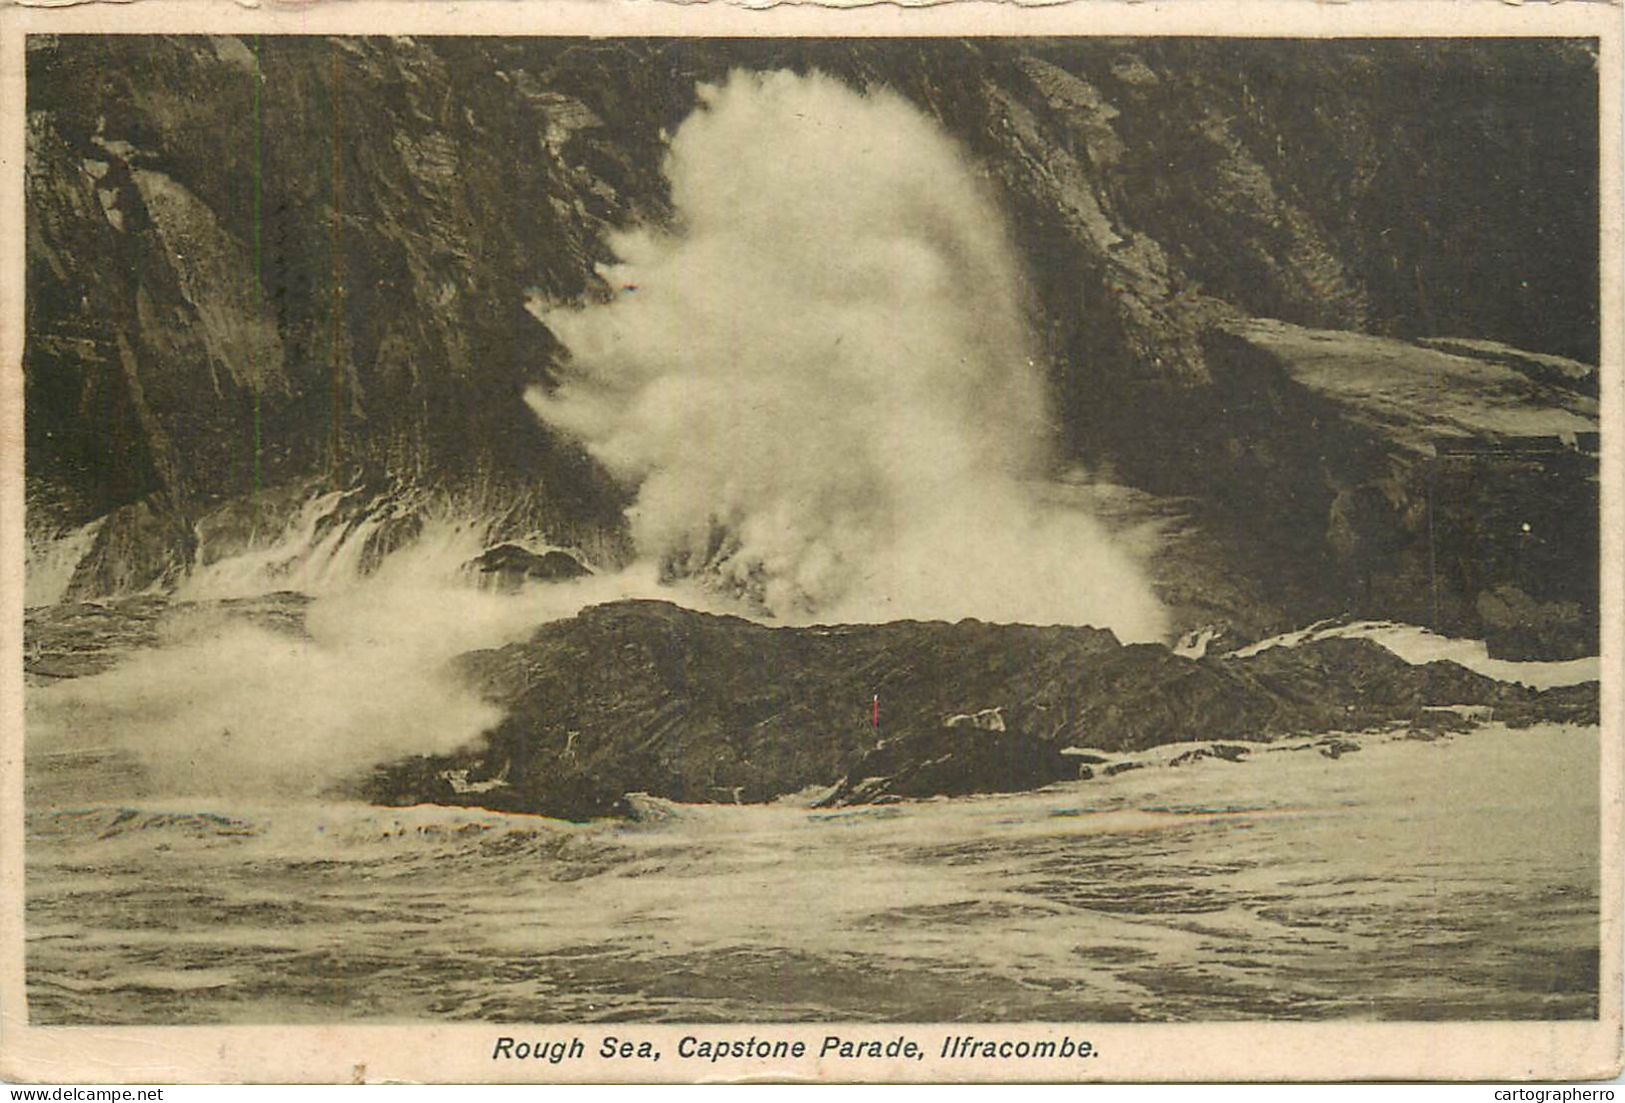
<point x="641" y="536"/>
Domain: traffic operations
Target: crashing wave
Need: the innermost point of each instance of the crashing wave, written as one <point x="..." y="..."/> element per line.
<point x="1418" y="646"/>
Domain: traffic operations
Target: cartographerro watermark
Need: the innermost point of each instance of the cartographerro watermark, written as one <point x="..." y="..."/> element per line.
<point x="1554" y="1095"/>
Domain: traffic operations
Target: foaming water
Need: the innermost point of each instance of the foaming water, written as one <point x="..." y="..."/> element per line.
<point x="49" y="565"/>
<point x="1418" y="645"/>
<point x="228" y="705"/>
<point x="822" y="383"/>
<point x="1275" y="888"/>
<point x="300" y="559"/>
<point x="185" y="866"/>
<point x="323" y="549"/>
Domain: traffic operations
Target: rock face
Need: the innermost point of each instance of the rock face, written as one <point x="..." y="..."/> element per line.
<point x="334" y="295"/>
<point x="951" y="762"/>
<point x="508" y="565"/>
<point x="648" y="697"/>
<point x="1437" y="480"/>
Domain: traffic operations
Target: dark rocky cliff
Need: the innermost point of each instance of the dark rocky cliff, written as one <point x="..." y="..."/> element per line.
<point x="258" y="266"/>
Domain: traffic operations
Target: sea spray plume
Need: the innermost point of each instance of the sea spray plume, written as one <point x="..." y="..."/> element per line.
<point x="820" y="378"/>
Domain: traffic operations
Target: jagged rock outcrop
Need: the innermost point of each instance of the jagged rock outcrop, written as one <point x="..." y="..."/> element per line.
<point x="647" y="697"/>
<point x="335" y="293"/>
<point x="509" y="566"/>
<point x="950" y="762"/>
<point x="644" y="696"/>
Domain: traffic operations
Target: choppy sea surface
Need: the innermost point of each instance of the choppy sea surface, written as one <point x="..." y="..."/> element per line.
<point x="1447" y="879"/>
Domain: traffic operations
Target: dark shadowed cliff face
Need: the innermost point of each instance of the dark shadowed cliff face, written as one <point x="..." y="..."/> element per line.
<point x="295" y="264"/>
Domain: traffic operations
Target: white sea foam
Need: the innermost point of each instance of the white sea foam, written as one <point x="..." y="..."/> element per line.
<point x="49" y="564"/>
<point x="1418" y="645"/>
<point x="226" y="706"/>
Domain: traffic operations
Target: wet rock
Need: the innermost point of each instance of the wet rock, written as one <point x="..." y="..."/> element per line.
<point x="563" y="794"/>
<point x="1425" y="735"/>
<point x="991" y="720"/>
<point x="1519" y="627"/>
<point x="1578" y="705"/>
<point x="1440" y="723"/>
<point x="645" y="696"/>
<point x="509" y="565"/>
<point x="250" y="520"/>
<point x="1225" y="752"/>
<point x="951" y="761"/>
<point x="392" y="534"/>
<point x="140" y="546"/>
<point x="1556" y="370"/>
<point x="1337" y="748"/>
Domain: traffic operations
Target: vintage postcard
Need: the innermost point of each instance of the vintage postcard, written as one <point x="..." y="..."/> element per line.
<point x="598" y="542"/>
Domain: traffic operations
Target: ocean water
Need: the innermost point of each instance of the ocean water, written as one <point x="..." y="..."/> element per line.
<point x="1450" y="879"/>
